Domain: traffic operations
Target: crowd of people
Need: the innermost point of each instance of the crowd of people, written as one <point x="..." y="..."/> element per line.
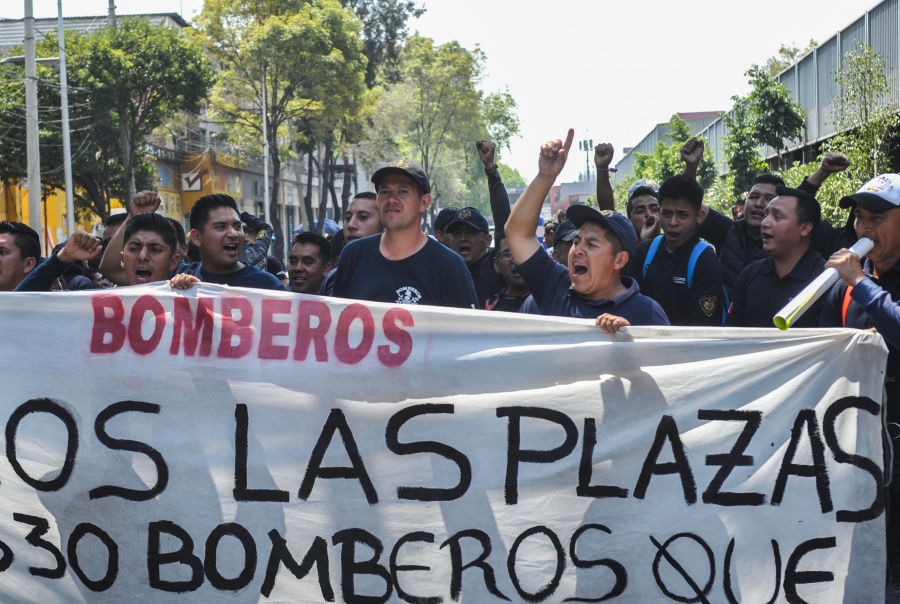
<point x="668" y="260"/>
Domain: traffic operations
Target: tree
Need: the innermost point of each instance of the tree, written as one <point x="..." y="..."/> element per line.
<point x="741" y="146"/>
<point x="865" y="115"/>
<point x="143" y="73"/>
<point x="787" y="56"/>
<point x="307" y="54"/>
<point x="383" y="32"/>
<point x="152" y="70"/>
<point x="665" y="160"/>
<point x="434" y="115"/>
<point x="776" y="117"/>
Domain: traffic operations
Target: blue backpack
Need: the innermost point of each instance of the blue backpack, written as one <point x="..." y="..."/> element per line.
<point x="699" y="248"/>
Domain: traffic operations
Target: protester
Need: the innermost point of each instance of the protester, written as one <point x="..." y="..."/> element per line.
<point x="593" y="285"/>
<point x="217" y="232"/>
<point x="441" y="221"/>
<point x="549" y="230"/>
<point x="470" y="237"/>
<point x="764" y="287"/>
<point x="511" y="297"/>
<point x="150" y="253"/>
<point x="361" y="217"/>
<point x="676" y="269"/>
<point x="64" y="269"/>
<point x="20" y="252"/>
<point x="113" y="224"/>
<point x="257" y="240"/>
<point x="642" y="207"/>
<point x="309" y="263"/>
<point x="562" y="241"/>
<point x="867" y="297"/>
<point x="739" y="243"/>
<point x="402" y="264"/>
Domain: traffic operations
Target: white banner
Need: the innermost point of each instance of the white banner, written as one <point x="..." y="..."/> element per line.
<point x="231" y="445"/>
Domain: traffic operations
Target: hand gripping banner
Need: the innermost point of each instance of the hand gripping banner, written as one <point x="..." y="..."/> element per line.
<point x="230" y="445"/>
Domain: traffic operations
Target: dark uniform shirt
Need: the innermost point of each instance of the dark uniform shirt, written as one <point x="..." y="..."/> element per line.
<point x="737" y="248"/>
<point x="435" y="275"/>
<point x="246" y="277"/>
<point x="487" y="281"/>
<point x="873" y="303"/>
<point x="503" y="301"/>
<point x="759" y="293"/>
<point x="666" y="282"/>
<point x="551" y="287"/>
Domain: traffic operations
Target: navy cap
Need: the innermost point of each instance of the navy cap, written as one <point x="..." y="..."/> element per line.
<point x="644" y="186"/>
<point x="566" y="231"/>
<point x="405" y="167"/>
<point x="471" y="217"/>
<point x="617" y="223"/>
<point x="443" y="218"/>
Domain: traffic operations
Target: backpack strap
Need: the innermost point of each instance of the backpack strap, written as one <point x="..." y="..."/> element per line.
<point x="651" y="253"/>
<point x="846" y="305"/>
<point x="699" y="247"/>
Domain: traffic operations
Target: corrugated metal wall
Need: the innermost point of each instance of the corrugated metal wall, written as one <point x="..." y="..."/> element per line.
<point x="811" y="81"/>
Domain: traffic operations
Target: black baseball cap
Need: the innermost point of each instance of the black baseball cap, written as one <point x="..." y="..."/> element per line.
<point x="443" y="218"/>
<point x="617" y="223"/>
<point x="405" y="167"/>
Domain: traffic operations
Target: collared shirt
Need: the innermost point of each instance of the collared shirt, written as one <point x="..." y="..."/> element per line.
<point x="666" y="282"/>
<point x="759" y="293"/>
<point x="551" y="287"/>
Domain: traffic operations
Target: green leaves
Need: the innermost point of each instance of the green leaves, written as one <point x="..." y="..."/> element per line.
<point x="775" y="117"/>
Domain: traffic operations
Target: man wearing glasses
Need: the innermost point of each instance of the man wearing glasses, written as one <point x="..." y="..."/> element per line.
<point x="20" y="252"/>
<point x="511" y="297"/>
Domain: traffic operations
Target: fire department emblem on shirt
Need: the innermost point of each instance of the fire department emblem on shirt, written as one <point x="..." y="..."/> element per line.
<point x="708" y="304"/>
<point x="408" y="295"/>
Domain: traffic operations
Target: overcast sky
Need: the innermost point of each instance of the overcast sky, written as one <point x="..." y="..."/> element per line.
<point x="610" y="69"/>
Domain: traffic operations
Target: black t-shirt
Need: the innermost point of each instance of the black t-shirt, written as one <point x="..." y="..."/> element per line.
<point x="666" y="282"/>
<point x="246" y="277"/>
<point x="435" y="275"/>
<point x="487" y="281"/>
<point x="759" y="294"/>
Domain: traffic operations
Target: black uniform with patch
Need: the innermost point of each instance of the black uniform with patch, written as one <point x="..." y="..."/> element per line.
<point x="666" y="282"/>
<point x="759" y="293"/>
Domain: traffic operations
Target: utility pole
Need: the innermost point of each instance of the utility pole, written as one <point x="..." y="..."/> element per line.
<point x="265" y="121"/>
<point x="64" y="107"/>
<point x="31" y="126"/>
<point x="111" y="15"/>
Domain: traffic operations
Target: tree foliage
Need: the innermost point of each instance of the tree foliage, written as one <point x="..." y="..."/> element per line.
<point x="741" y="146"/>
<point x="865" y="115"/>
<point x="665" y="160"/>
<point x="384" y="28"/>
<point x="435" y="113"/>
<point x="787" y="56"/>
<point x="308" y="53"/>
<point x="775" y="116"/>
<point x="145" y="73"/>
<point x="137" y="75"/>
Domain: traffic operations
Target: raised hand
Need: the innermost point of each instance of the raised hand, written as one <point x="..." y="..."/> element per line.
<point x="80" y="246"/>
<point x="486" y="151"/>
<point x="603" y="154"/>
<point x="145" y="202"/>
<point x="553" y="156"/>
